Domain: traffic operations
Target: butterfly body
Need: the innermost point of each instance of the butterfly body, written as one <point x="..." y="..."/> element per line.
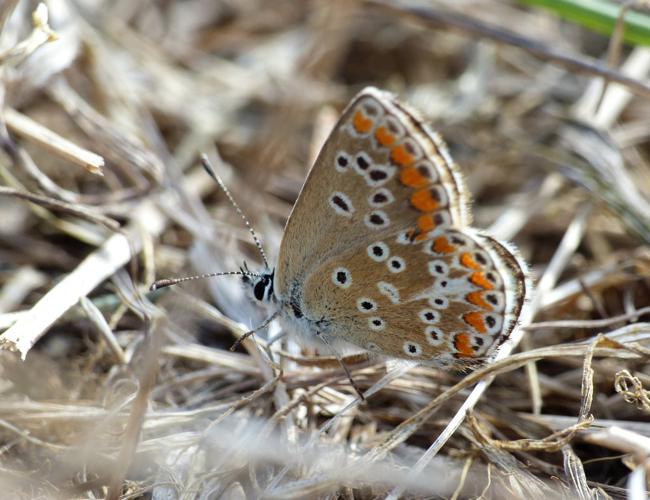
<point x="378" y="252"/>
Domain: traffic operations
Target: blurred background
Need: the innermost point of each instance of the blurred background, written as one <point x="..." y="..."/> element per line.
<point x="111" y="391"/>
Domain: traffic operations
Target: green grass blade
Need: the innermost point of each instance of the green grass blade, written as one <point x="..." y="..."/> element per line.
<point x="599" y="16"/>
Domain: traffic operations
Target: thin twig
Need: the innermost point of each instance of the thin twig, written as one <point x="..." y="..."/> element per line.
<point x="70" y="208"/>
<point x="587" y="324"/>
<point x="24" y="126"/>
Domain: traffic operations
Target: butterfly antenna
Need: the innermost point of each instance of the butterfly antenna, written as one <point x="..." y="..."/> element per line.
<point x="343" y="365"/>
<point x="255" y="330"/>
<point x="211" y="172"/>
<point x="157" y="285"/>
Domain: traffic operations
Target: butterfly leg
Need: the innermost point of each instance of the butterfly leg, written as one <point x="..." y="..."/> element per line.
<point x="251" y="332"/>
<point x="338" y="357"/>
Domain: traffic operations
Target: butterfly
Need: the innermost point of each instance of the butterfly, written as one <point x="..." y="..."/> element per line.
<point x="378" y="252"/>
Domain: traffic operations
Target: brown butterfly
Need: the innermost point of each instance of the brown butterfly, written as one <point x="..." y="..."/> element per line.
<point x="378" y="251"/>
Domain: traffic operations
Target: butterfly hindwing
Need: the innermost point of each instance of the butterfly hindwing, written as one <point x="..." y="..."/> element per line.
<point x="453" y="296"/>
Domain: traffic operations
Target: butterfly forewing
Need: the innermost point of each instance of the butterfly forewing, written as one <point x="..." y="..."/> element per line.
<point x="378" y="250"/>
<point x="378" y="170"/>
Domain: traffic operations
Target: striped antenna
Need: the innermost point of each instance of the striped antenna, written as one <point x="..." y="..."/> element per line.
<point x="339" y="358"/>
<point x="157" y="285"/>
<point x="211" y="172"/>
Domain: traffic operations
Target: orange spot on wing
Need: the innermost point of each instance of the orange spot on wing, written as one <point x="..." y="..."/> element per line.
<point x="479" y="279"/>
<point x="463" y="344"/>
<point x="477" y="299"/>
<point x="424" y="201"/>
<point x="426" y="223"/>
<point x="410" y="176"/>
<point x="362" y="123"/>
<point x="384" y="137"/>
<point x="442" y="245"/>
<point x="467" y="260"/>
<point x="475" y="320"/>
<point x="401" y="156"/>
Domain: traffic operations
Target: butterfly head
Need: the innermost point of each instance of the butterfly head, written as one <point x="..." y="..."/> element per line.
<point x="261" y="284"/>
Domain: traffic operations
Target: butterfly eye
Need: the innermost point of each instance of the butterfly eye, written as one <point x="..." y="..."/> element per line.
<point x="260" y="288"/>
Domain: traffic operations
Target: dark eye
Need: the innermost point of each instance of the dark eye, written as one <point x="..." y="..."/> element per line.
<point x="260" y="288"/>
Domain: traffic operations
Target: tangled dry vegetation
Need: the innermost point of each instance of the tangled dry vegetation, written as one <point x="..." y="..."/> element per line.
<point x="106" y="107"/>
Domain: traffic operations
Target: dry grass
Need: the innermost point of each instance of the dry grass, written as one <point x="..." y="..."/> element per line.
<point x="125" y="392"/>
